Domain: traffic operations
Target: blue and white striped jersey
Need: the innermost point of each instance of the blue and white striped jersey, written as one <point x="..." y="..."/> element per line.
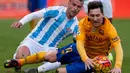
<point x="54" y="26"/>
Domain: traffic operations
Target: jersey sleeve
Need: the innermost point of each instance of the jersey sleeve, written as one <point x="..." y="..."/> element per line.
<point x="119" y="55"/>
<point x="80" y="38"/>
<point x="114" y="38"/>
<point x="115" y="43"/>
<point x="43" y="13"/>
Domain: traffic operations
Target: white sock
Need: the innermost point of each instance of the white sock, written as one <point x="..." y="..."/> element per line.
<point x="48" y="66"/>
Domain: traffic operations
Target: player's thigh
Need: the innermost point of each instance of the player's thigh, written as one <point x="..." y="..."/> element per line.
<point x="75" y="67"/>
<point x="29" y="47"/>
<point x="68" y="54"/>
<point x="22" y="52"/>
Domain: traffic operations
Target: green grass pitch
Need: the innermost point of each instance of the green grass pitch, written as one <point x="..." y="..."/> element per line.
<point x="10" y="39"/>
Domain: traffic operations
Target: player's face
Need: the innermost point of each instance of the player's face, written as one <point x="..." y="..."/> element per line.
<point x="96" y="17"/>
<point x="74" y="6"/>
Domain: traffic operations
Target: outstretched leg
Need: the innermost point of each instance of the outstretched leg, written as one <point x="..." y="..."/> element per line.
<point x="35" y="58"/>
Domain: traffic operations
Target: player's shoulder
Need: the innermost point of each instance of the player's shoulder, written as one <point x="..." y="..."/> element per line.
<point x="84" y="20"/>
<point x="108" y="25"/>
<point x="106" y="22"/>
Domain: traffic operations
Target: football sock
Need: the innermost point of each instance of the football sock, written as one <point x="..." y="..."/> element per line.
<point x="35" y="58"/>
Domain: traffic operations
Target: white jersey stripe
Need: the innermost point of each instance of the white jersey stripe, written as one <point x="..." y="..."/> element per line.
<point x="52" y="28"/>
<point x="64" y="33"/>
<point x="39" y="29"/>
<point x="45" y="29"/>
<point x="57" y="31"/>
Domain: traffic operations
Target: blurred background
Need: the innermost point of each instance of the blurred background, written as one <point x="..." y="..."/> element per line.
<point x="18" y="8"/>
<point x="13" y="10"/>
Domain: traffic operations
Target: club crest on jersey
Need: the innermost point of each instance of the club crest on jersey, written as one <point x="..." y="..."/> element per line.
<point x="68" y="29"/>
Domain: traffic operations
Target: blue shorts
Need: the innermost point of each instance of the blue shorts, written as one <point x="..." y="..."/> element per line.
<point x="69" y="55"/>
<point x="34" y="5"/>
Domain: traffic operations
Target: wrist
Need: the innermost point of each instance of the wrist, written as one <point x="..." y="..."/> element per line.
<point x="84" y="58"/>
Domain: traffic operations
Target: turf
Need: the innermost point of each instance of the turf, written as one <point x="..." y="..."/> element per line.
<point x="10" y="39"/>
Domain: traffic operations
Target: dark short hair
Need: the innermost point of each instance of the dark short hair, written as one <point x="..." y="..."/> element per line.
<point x="80" y="0"/>
<point x="94" y="5"/>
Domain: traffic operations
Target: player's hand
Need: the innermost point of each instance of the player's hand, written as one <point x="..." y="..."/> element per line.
<point x="115" y="70"/>
<point x="89" y="63"/>
<point x="16" y="25"/>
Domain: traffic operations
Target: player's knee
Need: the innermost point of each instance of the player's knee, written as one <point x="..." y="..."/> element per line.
<point x="51" y="56"/>
<point x="22" y="52"/>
